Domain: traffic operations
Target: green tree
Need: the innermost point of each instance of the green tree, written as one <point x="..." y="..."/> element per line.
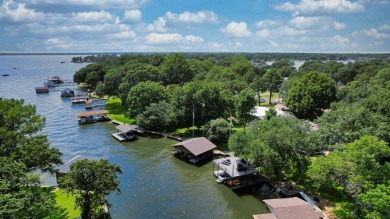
<point x="376" y="202"/>
<point x="245" y="104"/>
<point x="176" y="69"/>
<point x="279" y="145"/>
<point x="111" y="82"/>
<point x="311" y="94"/>
<point x="358" y="167"/>
<point x="142" y="95"/>
<point x="272" y="80"/>
<point x="91" y="181"/>
<point x="217" y="131"/>
<point x="92" y="79"/>
<point x="23" y="150"/>
<point x="158" y="116"/>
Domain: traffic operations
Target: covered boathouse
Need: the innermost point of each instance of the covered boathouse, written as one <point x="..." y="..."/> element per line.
<point x="127" y="132"/>
<point x="194" y="150"/>
<point x="290" y="208"/>
<point x="235" y="172"/>
<point x="92" y="117"/>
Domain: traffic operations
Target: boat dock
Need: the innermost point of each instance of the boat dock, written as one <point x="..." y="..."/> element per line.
<point x="92" y="117"/>
<point x="118" y="137"/>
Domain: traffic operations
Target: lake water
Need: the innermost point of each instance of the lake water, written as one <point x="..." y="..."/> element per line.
<point x="154" y="184"/>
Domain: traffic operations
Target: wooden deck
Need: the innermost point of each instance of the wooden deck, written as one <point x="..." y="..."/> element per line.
<point x="118" y="137"/>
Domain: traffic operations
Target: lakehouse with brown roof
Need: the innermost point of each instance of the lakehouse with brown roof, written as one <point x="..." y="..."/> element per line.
<point x="194" y="150"/>
<point x="92" y="117"/>
<point x="290" y="208"/>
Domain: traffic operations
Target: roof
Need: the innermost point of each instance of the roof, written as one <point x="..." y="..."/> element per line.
<point x="197" y="145"/>
<point x="126" y="128"/>
<point x="264" y="216"/>
<point x="292" y="208"/>
<point x="90" y="113"/>
<point x="66" y="166"/>
<point x="67" y="90"/>
<point x="231" y="167"/>
<point x="81" y="97"/>
<point x="41" y="88"/>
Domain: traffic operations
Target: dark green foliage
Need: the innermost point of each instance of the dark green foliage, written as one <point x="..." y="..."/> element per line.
<point x="245" y="104"/>
<point x="311" y="94"/>
<point x="276" y="146"/>
<point x="142" y="95"/>
<point x="176" y="69"/>
<point x="358" y="167"/>
<point x="158" y="116"/>
<point x="92" y="181"/>
<point x="217" y="131"/>
<point x="272" y="80"/>
<point x="22" y="150"/>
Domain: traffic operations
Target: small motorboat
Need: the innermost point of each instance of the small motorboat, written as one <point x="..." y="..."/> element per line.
<point x="5" y="75"/>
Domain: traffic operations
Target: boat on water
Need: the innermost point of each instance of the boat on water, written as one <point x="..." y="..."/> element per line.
<point x="55" y="80"/>
<point x="67" y="92"/>
<point x="5" y="75"/>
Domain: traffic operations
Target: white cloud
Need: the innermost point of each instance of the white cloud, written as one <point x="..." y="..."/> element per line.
<point x="158" y="25"/>
<point x="132" y="15"/>
<point x="124" y="4"/>
<point x="266" y="23"/>
<point x="171" y="38"/>
<point x="372" y="33"/>
<point x="384" y="27"/>
<point x="322" y="7"/>
<point x="93" y="16"/>
<point x="302" y="22"/>
<point x="195" y="18"/>
<point x="235" y="29"/>
<point x="264" y="33"/>
<point x="19" y="13"/>
<point x="339" y="26"/>
<point x="123" y="35"/>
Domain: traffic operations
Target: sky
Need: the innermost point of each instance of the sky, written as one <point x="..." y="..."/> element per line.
<point x="319" y="26"/>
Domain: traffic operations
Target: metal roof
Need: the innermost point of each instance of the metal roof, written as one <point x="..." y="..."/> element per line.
<point x="230" y="166"/>
<point x="90" y="113"/>
<point x="197" y="145"/>
<point x="126" y="128"/>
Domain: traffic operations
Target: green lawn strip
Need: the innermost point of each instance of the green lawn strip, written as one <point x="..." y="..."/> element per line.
<point x="67" y="201"/>
<point x="116" y="111"/>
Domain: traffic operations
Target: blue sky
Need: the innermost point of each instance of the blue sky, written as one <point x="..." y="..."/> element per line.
<point x="195" y="26"/>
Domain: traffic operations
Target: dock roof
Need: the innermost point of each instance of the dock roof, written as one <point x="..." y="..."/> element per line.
<point x="291" y="208"/>
<point x="126" y="128"/>
<point x="80" y="98"/>
<point x="91" y="113"/>
<point x="196" y="145"/>
<point x="230" y="166"/>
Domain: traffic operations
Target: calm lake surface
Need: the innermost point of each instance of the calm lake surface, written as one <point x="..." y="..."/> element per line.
<point x="154" y="184"/>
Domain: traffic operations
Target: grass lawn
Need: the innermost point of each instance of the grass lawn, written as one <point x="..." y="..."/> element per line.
<point x="68" y="202"/>
<point x="116" y="111"/>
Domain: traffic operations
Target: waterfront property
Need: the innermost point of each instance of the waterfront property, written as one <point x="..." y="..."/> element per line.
<point x="55" y="80"/>
<point x="92" y="117"/>
<point x="290" y="208"/>
<point x="65" y="168"/>
<point x="41" y="90"/>
<point x="126" y="132"/>
<point x="80" y="99"/>
<point x="235" y="172"/>
<point x="194" y="150"/>
<point x="67" y="92"/>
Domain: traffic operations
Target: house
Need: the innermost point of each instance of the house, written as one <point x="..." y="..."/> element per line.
<point x="41" y="90"/>
<point x="92" y="117"/>
<point x="67" y="92"/>
<point x="194" y="149"/>
<point x="235" y="172"/>
<point x="290" y="208"/>
<point x="65" y="168"/>
<point x="127" y="132"/>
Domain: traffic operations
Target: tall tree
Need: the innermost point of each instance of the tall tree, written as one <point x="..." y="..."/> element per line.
<point x="272" y="80"/>
<point x="311" y="94"/>
<point x="245" y="104"/>
<point x="177" y="69"/>
<point x="23" y="150"/>
<point x="91" y="181"/>
<point x="142" y="95"/>
<point x="217" y="131"/>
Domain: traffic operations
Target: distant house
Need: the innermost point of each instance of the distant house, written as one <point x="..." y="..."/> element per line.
<point x="127" y="132"/>
<point x="290" y="208"/>
<point x="65" y="168"/>
<point x="194" y="149"/>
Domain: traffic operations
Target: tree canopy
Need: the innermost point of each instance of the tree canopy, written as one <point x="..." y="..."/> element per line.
<point x="311" y="94"/>
<point x="91" y="181"/>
